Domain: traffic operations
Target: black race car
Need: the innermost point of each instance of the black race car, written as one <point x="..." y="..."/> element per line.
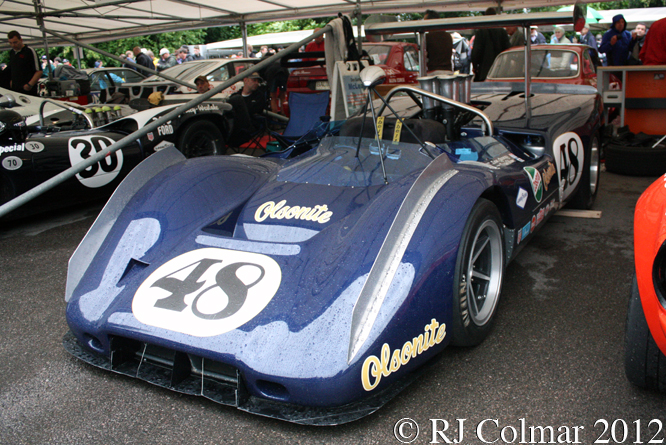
<point x="35" y="150"/>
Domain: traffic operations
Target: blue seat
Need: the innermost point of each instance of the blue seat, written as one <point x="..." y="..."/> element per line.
<point x="306" y="111"/>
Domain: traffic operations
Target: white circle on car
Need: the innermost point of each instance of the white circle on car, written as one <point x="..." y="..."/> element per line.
<point x="12" y="163"/>
<point x="101" y="173"/>
<point x="569" y="154"/>
<point x="207" y="292"/>
<point x="34" y="146"/>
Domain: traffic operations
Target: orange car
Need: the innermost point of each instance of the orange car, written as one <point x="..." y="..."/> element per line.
<point x="645" y="340"/>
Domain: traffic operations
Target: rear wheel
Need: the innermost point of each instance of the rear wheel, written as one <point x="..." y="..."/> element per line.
<point x="201" y="138"/>
<point x="636" y="161"/>
<point x="644" y="363"/>
<point x="589" y="182"/>
<point x="478" y="275"/>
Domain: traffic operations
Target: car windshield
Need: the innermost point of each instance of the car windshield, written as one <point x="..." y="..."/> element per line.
<point x="185" y="71"/>
<point x="546" y="64"/>
<point x="378" y="53"/>
<point x="334" y="162"/>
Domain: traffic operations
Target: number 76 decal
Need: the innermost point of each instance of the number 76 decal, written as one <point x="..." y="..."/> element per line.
<point x="207" y="292"/>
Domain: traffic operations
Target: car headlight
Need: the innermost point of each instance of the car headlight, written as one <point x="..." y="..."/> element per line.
<point x="2" y="126"/>
<point x="659" y="274"/>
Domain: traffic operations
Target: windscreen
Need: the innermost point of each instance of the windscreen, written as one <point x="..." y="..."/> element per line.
<point x="335" y="163"/>
<point x="551" y="63"/>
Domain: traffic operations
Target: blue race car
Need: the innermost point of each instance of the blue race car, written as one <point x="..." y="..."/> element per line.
<point x="314" y="288"/>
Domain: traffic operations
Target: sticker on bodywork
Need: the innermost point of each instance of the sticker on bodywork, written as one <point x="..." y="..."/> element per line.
<point x="521" y="199"/>
<point x="374" y="368"/>
<point x="207" y="292"/>
<point x="535" y="182"/>
<point x="104" y="171"/>
<point x="12" y="163"/>
<point x="34" y="146"/>
<point x="570" y="159"/>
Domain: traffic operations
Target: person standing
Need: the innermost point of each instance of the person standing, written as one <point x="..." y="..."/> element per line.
<point x="439" y="48"/>
<point x="536" y="38"/>
<point x="654" y="48"/>
<point x="639" y="39"/>
<point x="166" y="60"/>
<point x="516" y="36"/>
<point x="559" y="36"/>
<point x="23" y="65"/>
<point x="143" y="60"/>
<point x="488" y="43"/>
<point x="617" y="42"/>
<point x="587" y="38"/>
<point x="197" y="53"/>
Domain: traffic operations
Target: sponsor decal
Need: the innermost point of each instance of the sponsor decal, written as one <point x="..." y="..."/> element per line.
<point x="521" y="199"/>
<point x="165" y="129"/>
<point x="34" y="146"/>
<point x="534" y="223"/>
<point x="12" y="163"/>
<point x="535" y="182"/>
<point x="374" y="368"/>
<point x="540" y="216"/>
<point x="569" y="157"/>
<point x="281" y="210"/>
<point x="502" y="161"/>
<point x="12" y="148"/>
<point x="103" y="172"/>
<point x="548" y="174"/>
<point x="208" y="107"/>
<point x="207" y="292"/>
<point x="162" y="145"/>
<point x="526" y="230"/>
<point x="150" y="136"/>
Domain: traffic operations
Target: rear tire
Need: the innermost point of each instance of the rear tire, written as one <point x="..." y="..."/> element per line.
<point x="636" y="161"/>
<point x="589" y="182"/>
<point x="201" y="138"/>
<point x="478" y="275"/>
<point x="644" y="363"/>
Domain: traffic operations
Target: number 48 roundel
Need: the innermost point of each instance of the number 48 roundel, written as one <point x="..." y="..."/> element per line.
<point x="207" y="292"/>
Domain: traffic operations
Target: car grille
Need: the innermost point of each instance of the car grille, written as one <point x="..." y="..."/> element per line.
<point x="175" y="370"/>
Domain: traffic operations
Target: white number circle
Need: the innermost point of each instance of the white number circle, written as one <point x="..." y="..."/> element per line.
<point x="207" y="292"/>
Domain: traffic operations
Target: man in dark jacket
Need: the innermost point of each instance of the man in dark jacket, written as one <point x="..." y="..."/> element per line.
<point x="617" y="42"/>
<point x="24" y="69"/>
<point x="248" y="102"/>
<point x="488" y="43"/>
<point x="587" y="38"/>
<point x="143" y="60"/>
<point x="439" y="47"/>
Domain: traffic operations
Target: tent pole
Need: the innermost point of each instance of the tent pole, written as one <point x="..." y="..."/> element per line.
<point x="359" y="25"/>
<point x="152" y="126"/>
<point x="40" y="22"/>
<point x="78" y="55"/>
<point x="528" y="73"/>
<point x="243" y="26"/>
<point x="422" y="55"/>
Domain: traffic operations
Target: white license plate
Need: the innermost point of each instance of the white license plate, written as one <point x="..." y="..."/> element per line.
<point x="322" y="85"/>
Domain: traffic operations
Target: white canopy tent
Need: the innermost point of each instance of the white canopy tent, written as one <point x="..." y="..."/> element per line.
<point x="91" y="21"/>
